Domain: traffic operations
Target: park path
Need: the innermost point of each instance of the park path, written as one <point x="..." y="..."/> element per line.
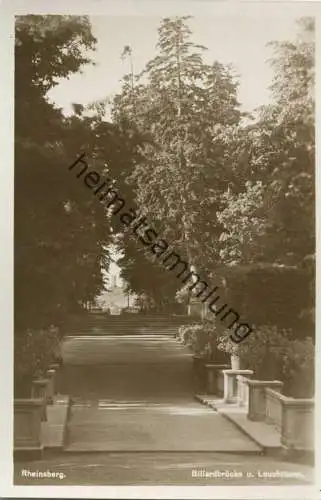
<point x="132" y="390"/>
<point x="135" y="393"/>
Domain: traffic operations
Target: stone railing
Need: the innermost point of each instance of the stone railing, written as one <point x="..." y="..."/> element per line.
<point x="233" y="390"/>
<point x="292" y="418"/>
<point x="215" y="382"/>
<point x="27" y="427"/>
<point x="220" y="383"/>
<point x="29" y="415"/>
<point x="243" y="393"/>
<point x="39" y="391"/>
<point x="227" y="383"/>
<point x="257" y="397"/>
<point x="273" y="408"/>
<point x="297" y="429"/>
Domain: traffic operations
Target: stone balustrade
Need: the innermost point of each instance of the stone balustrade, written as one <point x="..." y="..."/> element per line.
<point x="27" y="427"/>
<point x="213" y="372"/>
<point x="231" y="386"/>
<point x="297" y="428"/>
<point x="220" y="383"/>
<point x="292" y="417"/>
<point x="273" y="408"/>
<point x="257" y="397"/>
<point x="39" y="391"/>
<point x="243" y="395"/>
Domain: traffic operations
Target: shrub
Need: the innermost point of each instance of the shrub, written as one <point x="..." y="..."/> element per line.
<point x="263" y="351"/>
<point x="202" y="339"/>
<point x="274" y="353"/>
<point x="34" y="350"/>
<point x="258" y="292"/>
<point x="298" y="368"/>
<point x="196" y="336"/>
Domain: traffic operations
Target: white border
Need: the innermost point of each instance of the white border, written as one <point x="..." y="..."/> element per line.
<point x="129" y="8"/>
<point x="6" y="248"/>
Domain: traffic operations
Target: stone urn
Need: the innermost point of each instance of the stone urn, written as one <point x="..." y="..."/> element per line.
<point x="235" y="362"/>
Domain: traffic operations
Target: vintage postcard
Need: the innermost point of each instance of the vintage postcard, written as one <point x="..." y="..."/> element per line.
<point x="162" y="165"/>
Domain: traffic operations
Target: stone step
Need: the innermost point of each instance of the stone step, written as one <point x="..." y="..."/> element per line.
<point x="266" y="436"/>
<point x="177" y="426"/>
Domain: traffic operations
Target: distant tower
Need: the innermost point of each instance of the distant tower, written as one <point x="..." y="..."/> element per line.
<point x="114" y="281"/>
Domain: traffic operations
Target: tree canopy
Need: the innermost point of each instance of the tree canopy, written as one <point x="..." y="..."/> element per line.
<point x="220" y="186"/>
<point x="223" y="187"/>
<point x="61" y="232"/>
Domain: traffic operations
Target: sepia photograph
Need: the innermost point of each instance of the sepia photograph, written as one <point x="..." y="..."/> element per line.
<point x="164" y="248"/>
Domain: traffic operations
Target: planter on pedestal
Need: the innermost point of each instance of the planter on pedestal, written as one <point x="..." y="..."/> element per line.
<point x="235" y="362"/>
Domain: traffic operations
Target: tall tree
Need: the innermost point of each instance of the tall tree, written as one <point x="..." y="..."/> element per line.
<point x="60" y="231"/>
<point x="180" y="104"/>
<point x="269" y="216"/>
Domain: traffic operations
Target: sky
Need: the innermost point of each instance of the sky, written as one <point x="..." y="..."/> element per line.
<point x="230" y="40"/>
<point x="241" y="42"/>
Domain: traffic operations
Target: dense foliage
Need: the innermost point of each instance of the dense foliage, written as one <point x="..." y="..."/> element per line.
<point x="269" y="212"/>
<point x="273" y="353"/>
<point x="33" y="353"/>
<point x="271" y="294"/>
<point x="232" y="193"/>
<point x="203" y="339"/>
<point x="224" y="188"/>
<point x="178" y="104"/>
<point x="61" y="231"/>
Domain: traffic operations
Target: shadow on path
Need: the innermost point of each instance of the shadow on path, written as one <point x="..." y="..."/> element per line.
<point x="136" y="394"/>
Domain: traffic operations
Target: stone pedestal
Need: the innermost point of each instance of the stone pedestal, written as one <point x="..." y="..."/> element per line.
<point x="230" y="384"/>
<point x="297" y="428"/>
<point x="257" y="397"/>
<point x="212" y="372"/>
<point x="243" y="390"/>
<point x="27" y="428"/>
<point x="39" y="391"/>
<point x="273" y="407"/>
